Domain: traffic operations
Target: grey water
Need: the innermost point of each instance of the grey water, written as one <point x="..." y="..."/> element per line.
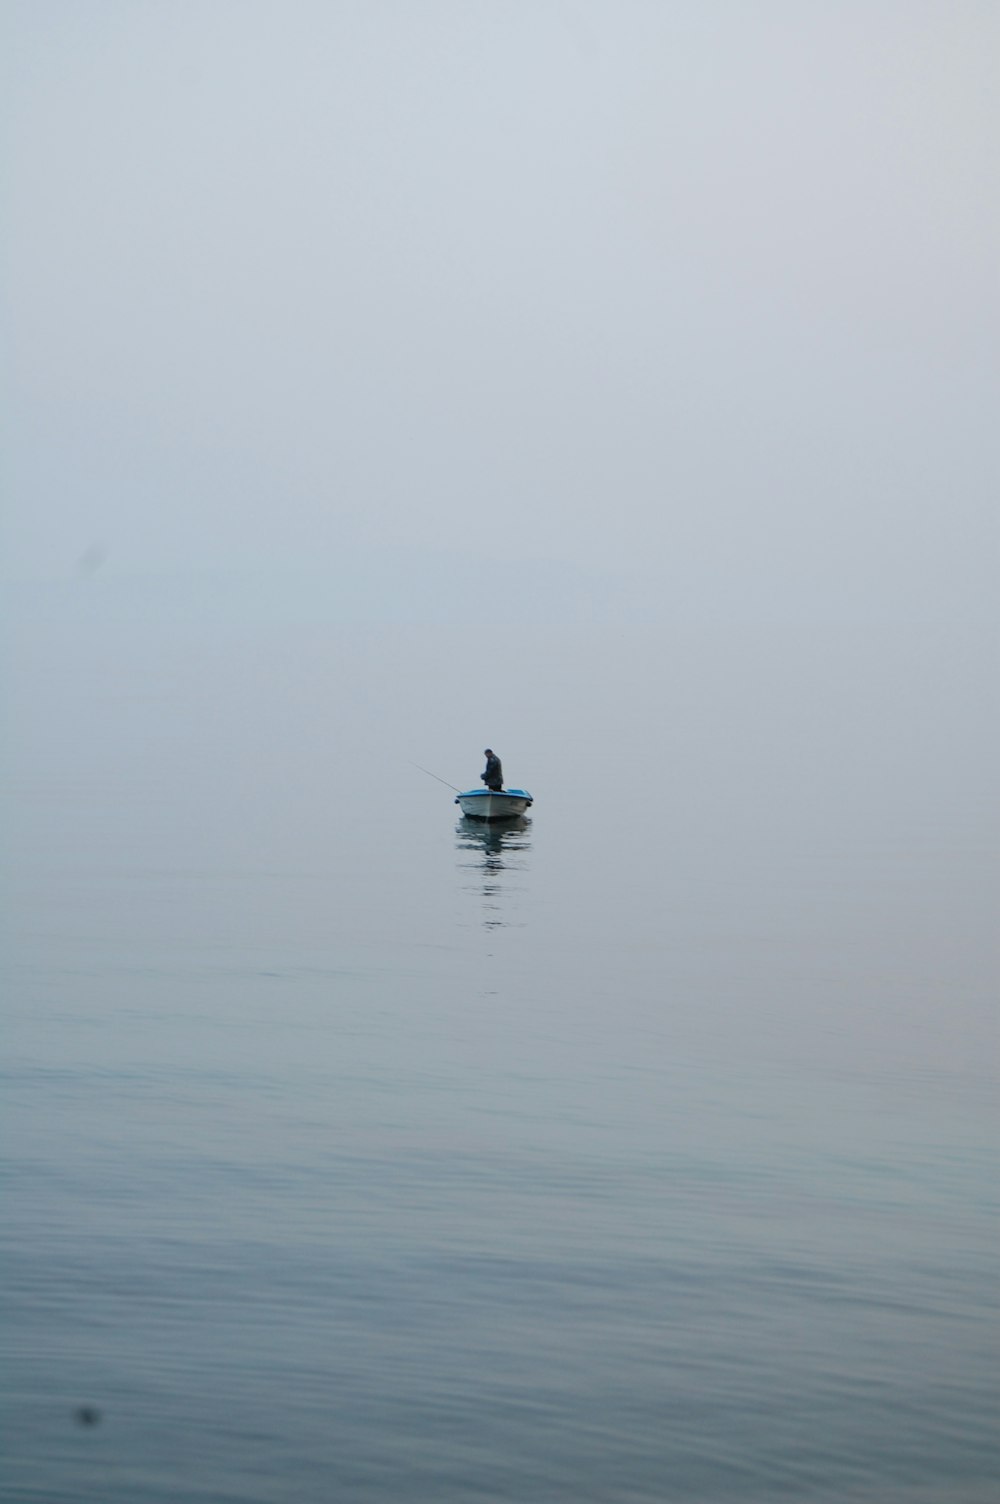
<point x="642" y="1151"/>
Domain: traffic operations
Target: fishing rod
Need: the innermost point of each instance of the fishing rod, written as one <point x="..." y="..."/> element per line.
<point x="435" y="776"/>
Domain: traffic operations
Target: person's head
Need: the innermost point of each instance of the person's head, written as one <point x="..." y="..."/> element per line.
<point x="488" y="752"/>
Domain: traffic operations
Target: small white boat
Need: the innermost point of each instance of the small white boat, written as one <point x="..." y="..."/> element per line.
<point x="487" y="804"/>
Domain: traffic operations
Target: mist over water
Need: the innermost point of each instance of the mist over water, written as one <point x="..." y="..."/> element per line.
<point x="615" y="386"/>
<point x="642" y="1150"/>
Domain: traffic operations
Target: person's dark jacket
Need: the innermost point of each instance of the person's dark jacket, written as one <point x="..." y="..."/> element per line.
<point x="493" y="777"/>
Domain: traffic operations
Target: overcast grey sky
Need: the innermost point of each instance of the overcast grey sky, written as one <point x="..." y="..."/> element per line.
<point x="702" y="290"/>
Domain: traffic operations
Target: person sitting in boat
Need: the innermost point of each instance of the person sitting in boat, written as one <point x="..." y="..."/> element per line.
<point x="493" y="777"/>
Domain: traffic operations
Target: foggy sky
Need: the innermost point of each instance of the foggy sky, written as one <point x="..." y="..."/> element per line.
<point x="700" y="293"/>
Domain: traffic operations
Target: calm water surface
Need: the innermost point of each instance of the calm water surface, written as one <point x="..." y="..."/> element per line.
<point x="643" y="1151"/>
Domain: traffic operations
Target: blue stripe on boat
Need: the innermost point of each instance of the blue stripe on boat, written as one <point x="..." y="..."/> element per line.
<point x="483" y="793"/>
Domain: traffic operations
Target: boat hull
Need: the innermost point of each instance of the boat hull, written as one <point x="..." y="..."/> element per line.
<point x="484" y="804"/>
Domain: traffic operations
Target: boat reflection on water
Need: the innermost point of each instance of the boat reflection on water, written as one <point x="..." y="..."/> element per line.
<point x="496" y="852"/>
